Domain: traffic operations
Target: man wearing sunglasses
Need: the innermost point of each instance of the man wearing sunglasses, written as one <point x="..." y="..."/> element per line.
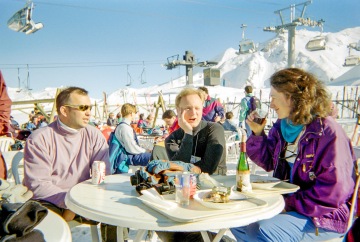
<point x="60" y="155"/>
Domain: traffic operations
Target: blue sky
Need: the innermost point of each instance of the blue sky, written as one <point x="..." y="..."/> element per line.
<point x="103" y="44"/>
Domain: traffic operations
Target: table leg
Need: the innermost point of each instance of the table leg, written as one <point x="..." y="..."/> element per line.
<point x="139" y="235"/>
<point x="120" y="234"/>
<point x="217" y="238"/>
<point x="205" y="236"/>
<point x="154" y="236"/>
<point x="219" y="235"/>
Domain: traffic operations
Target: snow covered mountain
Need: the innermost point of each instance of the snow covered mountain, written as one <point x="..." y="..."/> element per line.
<point x="240" y="70"/>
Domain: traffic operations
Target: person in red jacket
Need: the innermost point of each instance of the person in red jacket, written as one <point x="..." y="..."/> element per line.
<point x="5" y="110"/>
<point x="170" y="120"/>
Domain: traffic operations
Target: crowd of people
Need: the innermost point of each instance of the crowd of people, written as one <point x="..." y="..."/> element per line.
<point x="305" y="146"/>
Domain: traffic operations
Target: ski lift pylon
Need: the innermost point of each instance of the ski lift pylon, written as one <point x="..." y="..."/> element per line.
<point x="22" y="21"/>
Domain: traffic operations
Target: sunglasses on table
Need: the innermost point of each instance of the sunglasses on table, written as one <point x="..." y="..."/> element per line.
<point x="79" y="107"/>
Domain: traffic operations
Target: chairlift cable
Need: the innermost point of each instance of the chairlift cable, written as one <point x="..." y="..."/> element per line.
<point x="28" y="79"/>
<point x="80" y="64"/>
<point x="128" y="77"/>
<point x="143" y="75"/>
<point x="19" y="82"/>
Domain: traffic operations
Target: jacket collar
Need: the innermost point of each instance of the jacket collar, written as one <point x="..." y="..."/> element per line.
<point x="312" y="130"/>
<point x="201" y="125"/>
<point x="66" y="129"/>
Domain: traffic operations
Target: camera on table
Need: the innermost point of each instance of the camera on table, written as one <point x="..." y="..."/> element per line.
<point x="136" y="179"/>
<point x="141" y="184"/>
<point x="164" y="188"/>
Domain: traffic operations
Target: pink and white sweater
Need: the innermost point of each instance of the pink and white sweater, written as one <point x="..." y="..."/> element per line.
<point x="56" y="158"/>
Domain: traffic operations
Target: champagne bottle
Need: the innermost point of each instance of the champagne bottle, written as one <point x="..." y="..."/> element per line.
<point x="243" y="170"/>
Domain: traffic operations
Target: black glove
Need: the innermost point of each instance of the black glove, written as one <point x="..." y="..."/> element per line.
<point x="21" y="218"/>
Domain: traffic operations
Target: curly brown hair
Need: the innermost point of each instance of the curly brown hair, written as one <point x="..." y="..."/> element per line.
<point x="308" y="95"/>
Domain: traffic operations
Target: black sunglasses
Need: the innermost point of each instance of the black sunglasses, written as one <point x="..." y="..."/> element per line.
<point x="79" y="107"/>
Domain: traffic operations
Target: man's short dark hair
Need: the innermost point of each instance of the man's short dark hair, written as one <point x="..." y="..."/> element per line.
<point x="204" y="89"/>
<point x="168" y="114"/>
<point x="229" y="115"/>
<point x="64" y="95"/>
<point x="248" y="89"/>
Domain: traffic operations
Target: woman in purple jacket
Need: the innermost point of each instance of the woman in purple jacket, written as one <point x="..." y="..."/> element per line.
<point x="308" y="147"/>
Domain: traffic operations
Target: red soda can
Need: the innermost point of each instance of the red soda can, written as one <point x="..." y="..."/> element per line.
<point x="98" y="172"/>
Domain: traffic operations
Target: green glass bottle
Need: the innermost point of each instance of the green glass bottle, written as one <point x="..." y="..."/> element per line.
<point x="243" y="170"/>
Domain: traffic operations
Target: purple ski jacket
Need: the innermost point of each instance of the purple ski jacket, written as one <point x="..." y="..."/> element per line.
<point x="323" y="169"/>
<point x="212" y="108"/>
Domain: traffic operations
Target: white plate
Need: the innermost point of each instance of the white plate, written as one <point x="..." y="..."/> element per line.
<point x="264" y="182"/>
<point x="234" y="203"/>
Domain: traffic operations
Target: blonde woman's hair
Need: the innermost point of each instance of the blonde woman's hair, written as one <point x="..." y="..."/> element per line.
<point x="127" y="109"/>
<point x="308" y="95"/>
<point x="189" y="91"/>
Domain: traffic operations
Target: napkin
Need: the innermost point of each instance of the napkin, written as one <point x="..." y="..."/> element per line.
<point x="207" y="182"/>
<point x="152" y="196"/>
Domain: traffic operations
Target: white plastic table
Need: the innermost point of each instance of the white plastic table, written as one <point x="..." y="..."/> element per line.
<point x="54" y="228"/>
<point x="115" y="202"/>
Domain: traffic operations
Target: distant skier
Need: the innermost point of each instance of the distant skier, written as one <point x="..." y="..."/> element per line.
<point x="248" y="104"/>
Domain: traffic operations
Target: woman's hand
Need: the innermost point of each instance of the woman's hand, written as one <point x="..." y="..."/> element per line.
<point x="255" y="127"/>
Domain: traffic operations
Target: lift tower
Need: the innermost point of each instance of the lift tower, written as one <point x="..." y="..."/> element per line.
<point x="189" y="62"/>
<point x="291" y="26"/>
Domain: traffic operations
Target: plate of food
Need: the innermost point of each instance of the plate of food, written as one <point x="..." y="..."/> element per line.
<point x="263" y="182"/>
<point x="219" y="198"/>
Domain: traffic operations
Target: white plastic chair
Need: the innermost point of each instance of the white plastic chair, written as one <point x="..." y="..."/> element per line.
<point x="355" y="195"/>
<point x="227" y="134"/>
<point x="17" y="167"/>
<point x="14" y="162"/>
<point x="54" y="228"/>
<point x="231" y="146"/>
<point x="16" y="159"/>
<point x="6" y="143"/>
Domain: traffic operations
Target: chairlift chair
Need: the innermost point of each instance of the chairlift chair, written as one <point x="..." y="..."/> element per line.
<point x="355" y="46"/>
<point x="352" y="60"/>
<point x="317" y="43"/>
<point x="246" y="46"/>
<point x="22" y="21"/>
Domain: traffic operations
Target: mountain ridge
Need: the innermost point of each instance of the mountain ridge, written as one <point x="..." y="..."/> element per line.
<point x="239" y="70"/>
